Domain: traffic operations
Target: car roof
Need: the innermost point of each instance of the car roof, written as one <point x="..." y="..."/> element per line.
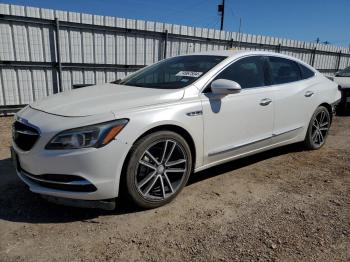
<point x="228" y="53"/>
<point x="236" y="53"/>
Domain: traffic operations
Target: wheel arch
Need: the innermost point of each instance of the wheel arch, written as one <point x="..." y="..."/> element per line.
<point x="176" y="129"/>
<point x="329" y="108"/>
<point x="164" y="127"/>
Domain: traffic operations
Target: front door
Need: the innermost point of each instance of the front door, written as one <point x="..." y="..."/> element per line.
<point x="242" y="122"/>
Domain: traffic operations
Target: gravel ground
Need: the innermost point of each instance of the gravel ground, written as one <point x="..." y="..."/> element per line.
<point x="282" y="205"/>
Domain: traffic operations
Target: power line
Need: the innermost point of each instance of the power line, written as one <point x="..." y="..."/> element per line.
<point x="190" y="18"/>
<point x="318" y="41"/>
<point x="238" y="17"/>
<point x="171" y="9"/>
<point x="211" y="22"/>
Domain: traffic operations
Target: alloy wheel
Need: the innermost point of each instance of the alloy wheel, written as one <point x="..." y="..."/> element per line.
<point x="320" y="127"/>
<point x="161" y="169"/>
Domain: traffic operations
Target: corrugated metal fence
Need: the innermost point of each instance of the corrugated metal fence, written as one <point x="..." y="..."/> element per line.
<point x="35" y="61"/>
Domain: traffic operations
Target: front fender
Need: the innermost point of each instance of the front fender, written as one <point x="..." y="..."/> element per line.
<point x="141" y="121"/>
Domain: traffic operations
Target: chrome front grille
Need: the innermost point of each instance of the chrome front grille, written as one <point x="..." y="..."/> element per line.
<point x="24" y="136"/>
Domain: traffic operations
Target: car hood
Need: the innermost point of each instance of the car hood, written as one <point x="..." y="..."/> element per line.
<point x="104" y="98"/>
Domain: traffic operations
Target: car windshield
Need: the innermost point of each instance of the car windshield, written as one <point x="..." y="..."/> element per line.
<point x="344" y="73"/>
<point x="174" y="72"/>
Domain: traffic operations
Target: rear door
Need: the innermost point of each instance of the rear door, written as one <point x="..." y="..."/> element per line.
<point x="294" y="98"/>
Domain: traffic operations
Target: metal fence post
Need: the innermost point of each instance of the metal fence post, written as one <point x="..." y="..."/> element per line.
<point x="58" y="55"/>
<point x="338" y="62"/>
<point x="165" y="43"/>
<point x="279" y="48"/>
<point x="239" y="40"/>
<point x="313" y="54"/>
<point x="231" y="43"/>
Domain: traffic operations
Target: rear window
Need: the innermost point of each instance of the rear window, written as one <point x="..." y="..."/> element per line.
<point x="284" y="70"/>
<point x="306" y="72"/>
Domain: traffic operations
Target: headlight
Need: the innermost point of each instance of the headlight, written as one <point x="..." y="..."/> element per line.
<point x="89" y="136"/>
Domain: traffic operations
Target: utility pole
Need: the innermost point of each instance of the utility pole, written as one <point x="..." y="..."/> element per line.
<point x="221" y="10"/>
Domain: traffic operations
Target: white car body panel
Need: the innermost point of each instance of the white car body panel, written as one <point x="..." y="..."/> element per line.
<point x="94" y="100"/>
<point x="253" y="128"/>
<point x="240" y="129"/>
<point x="291" y="96"/>
<point x="344" y="82"/>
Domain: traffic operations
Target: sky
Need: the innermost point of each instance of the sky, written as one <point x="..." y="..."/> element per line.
<point x="307" y="20"/>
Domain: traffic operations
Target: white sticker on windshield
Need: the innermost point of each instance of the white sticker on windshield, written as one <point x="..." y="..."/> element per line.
<point x="189" y="74"/>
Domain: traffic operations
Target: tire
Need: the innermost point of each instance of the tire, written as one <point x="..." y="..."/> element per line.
<point x="155" y="176"/>
<point x="318" y="129"/>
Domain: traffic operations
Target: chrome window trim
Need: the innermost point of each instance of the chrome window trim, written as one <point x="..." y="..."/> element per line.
<point x="227" y="65"/>
<point x="267" y="86"/>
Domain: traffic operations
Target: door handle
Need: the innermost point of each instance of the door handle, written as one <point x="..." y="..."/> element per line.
<point x="309" y="94"/>
<point x="265" y="101"/>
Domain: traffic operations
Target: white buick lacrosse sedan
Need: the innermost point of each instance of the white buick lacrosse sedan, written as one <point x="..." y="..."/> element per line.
<point x="145" y="135"/>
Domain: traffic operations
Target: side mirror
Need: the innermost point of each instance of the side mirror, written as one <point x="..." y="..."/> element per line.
<point x="225" y="87"/>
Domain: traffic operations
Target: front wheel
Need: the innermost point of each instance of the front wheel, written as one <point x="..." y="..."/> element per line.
<point x="318" y="129"/>
<point x="159" y="167"/>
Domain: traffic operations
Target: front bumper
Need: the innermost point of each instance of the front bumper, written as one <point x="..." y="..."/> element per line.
<point x="99" y="170"/>
<point x="84" y="174"/>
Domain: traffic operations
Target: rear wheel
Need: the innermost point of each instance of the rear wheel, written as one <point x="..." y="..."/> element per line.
<point x="318" y="129"/>
<point x="159" y="167"/>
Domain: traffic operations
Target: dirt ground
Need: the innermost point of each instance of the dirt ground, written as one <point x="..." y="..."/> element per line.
<point x="283" y="205"/>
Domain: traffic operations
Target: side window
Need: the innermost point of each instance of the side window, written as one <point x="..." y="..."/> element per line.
<point x="248" y="72"/>
<point x="306" y="72"/>
<point x="284" y="70"/>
